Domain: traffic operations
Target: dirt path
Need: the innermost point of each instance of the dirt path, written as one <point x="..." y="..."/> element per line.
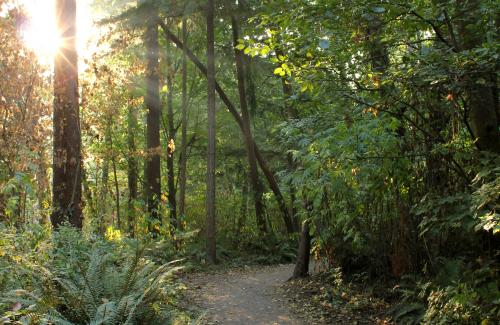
<point x="243" y="297"/>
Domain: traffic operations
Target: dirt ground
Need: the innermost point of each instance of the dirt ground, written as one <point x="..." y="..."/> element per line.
<point x="263" y="296"/>
<point x="242" y="297"/>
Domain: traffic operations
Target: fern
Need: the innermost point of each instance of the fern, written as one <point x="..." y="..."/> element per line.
<point x="100" y="292"/>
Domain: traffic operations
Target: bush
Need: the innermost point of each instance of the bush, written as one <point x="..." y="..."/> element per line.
<point x="72" y="279"/>
<point x="456" y="295"/>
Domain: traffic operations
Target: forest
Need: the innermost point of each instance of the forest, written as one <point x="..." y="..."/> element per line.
<point x="249" y="162"/>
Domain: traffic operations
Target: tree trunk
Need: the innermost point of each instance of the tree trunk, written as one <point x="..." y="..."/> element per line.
<point x="247" y="133"/>
<point x="273" y="184"/>
<point x="210" y="200"/>
<point x="66" y="160"/>
<point x="301" y="269"/>
<point x="132" y="171"/>
<point x="115" y="178"/>
<point x="172" y="204"/>
<point x="101" y="201"/>
<point x="152" y="100"/>
<point x="183" y="158"/>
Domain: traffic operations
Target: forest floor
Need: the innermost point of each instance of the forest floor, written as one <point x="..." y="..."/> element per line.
<point x="244" y="296"/>
<point x="262" y="296"/>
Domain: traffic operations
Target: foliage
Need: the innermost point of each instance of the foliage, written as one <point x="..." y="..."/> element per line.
<point x="459" y="293"/>
<point x="77" y="280"/>
<point x="24" y="123"/>
<point x="370" y="115"/>
<point x="485" y="197"/>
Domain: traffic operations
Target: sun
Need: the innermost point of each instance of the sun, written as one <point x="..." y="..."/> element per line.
<point x="40" y="33"/>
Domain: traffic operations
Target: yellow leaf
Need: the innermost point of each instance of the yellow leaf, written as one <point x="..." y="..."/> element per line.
<point x="264" y="50"/>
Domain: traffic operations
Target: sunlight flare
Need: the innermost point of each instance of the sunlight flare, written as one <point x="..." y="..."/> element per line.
<point x="41" y="35"/>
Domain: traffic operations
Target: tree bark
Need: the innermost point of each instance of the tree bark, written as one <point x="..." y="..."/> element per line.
<point x="152" y="100"/>
<point x="66" y="156"/>
<point x="115" y="178"/>
<point x="132" y="166"/>
<point x="172" y="204"/>
<point x="210" y="200"/>
<point x="301" y="269"/>
<point x="183" y="158"/>
<point x="232" y="109"/>
<point x="247" y="133"/>
<point x="101" y="201"/>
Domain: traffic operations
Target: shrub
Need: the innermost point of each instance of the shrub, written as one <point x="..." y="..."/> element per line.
<point x="89" y="281"/>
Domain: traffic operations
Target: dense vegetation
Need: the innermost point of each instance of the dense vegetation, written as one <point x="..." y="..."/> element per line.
<point x="374" y="123"/>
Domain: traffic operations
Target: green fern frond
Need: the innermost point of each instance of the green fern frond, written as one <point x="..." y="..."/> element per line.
<point x="105" y="314"/>
<point x="130" y="273"/>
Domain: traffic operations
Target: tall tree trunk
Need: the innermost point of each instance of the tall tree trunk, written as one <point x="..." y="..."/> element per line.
<point x="273" y="184"/>
<point x="132" y="168"/>
<point x="152" y="100"/>
<point x="103" y="209"/>
<point x="66" y="157"/>
<point x="172" y="204"/>
<point x="115" y="178"/>
<point x="247" y="133"/>
<point x="183" y="158"/>
<point x="301" y="269"/>
<point x="210" y="204"/>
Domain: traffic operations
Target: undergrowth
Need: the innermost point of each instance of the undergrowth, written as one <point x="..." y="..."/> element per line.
<point x="459" y="293"/>
<point x="66" y="277"/>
